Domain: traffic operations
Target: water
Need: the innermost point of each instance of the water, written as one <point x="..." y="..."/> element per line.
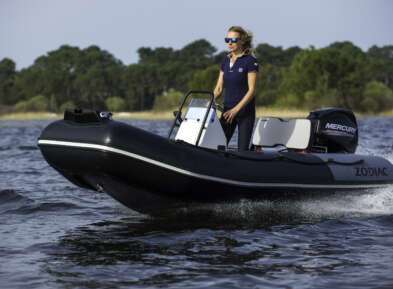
<point x="56" y="235"/>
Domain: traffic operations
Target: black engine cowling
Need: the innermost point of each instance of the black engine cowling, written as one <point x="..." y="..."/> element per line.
<point x="334" y="130"/>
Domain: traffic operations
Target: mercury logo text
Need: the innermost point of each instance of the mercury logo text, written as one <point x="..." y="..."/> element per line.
<point x="340" y="127"/>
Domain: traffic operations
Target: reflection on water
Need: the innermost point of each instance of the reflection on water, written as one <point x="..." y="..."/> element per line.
<point x="217" y="244"/>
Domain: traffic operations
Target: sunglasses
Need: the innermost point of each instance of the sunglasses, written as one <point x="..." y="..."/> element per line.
<point x="233" y="39"/>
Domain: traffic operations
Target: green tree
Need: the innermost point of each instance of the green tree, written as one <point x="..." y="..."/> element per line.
<point x="115" y="104"/>
<point x="38" y="103"/>
<point x="67" y="104"/>
<point x="333" y="75"/>
<point x="141" y="84"/>
<point x="53" y="104"/>
<point x="55" y="73"/>
<point x="267" y="54"/>
<point x="168" y="100"/>
<point x="205" y="79"/>
<point x="381" y="64"/>
<point x="98" y="77"/>
<point x="85" y="77"/>
<point x="160" y="55"/>
<point x="7" y="80"/>
<point x="197" y="55"/>
<point x="28" y="83"/>
<point x="268" y="82"/>
<point x="176" y="68"/>
<point x="377" y="97"/>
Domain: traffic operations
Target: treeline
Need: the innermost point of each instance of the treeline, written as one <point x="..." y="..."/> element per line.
<point x="338" y="75"/>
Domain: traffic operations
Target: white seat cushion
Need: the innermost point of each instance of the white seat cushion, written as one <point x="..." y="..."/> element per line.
<point x="292" y="133"/>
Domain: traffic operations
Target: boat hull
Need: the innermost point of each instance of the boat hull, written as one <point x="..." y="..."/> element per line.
<point x="151" y="174"/>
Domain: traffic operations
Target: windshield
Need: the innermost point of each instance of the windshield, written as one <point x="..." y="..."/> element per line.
<point x="199" y="102"/>
<point x="197" y="109"/>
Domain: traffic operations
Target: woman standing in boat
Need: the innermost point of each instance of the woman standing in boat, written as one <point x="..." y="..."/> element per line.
<point x="238" y="75"/>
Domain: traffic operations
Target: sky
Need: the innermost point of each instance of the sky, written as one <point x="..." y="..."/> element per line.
<point x="31" y="28"/>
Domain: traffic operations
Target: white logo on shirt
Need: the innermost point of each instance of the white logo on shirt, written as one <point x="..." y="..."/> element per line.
<point x="241" y="69"/>
<point x="256" y="64"/>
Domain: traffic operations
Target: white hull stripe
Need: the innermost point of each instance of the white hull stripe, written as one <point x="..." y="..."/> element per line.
<point x="201" y="176"/>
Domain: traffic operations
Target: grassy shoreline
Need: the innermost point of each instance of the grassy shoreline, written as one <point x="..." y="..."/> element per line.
<point x="150" y="114"/>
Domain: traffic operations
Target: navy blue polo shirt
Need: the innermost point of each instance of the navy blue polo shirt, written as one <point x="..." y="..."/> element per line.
<point x="236" y="80"/>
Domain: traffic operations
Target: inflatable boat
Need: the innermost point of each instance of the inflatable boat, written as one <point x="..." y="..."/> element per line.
<point x="151" y="174"/>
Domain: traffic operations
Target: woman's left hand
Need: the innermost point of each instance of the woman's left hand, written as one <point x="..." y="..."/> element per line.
<point x="231" y="114"/>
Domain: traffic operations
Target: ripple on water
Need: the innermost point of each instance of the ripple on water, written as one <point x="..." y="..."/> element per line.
<point x="28" y="148"/>
<point x="11" y="200"/>
<point x="42" y="208"/>
<point x="180" y="254"/>
<point x="56" y="235"/>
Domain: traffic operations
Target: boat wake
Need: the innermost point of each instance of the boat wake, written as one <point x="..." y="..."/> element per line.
<point x="372" y="203"/>
<point x="267" y="213"/>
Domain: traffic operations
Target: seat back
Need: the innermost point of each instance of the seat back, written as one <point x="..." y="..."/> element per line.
<point x="291" y="133"/>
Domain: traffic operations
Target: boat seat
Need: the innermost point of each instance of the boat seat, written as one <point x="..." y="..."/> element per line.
<point x="291" y="133"/>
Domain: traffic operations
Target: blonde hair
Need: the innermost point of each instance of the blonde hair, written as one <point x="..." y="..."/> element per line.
<point x="245" y="36"/>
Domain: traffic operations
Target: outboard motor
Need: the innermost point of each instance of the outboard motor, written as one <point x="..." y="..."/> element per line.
<point x="334" y="130"/>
